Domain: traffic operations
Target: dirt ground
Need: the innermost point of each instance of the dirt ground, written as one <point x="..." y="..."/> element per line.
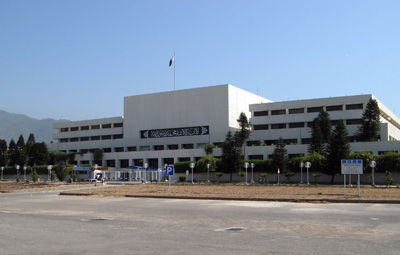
<point x="251" y="191"/>
<point x="210" y="191"/>
<point x="29" y="186"/>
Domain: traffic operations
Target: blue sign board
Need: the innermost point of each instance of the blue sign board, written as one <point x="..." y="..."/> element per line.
<point x="352" y="166"/>
<point x="78" y="168"/>
<point x="169" y="170"/>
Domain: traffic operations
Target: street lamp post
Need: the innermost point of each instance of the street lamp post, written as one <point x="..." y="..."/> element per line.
<point x="246" y="165"/>
<point x="301" y="175"/>
<point x="373" y="165"/>
<point x="192" y="165"/>
<point x="17" y="167"/>
<point x="252" y="167"/>
<point x="49" y="172"/>
<point x="24" y="173"/>
<point x="308" y="165"/>
<point x="145" y="172"/>
<point x="208" y="172"/>
<point x="2" y="169"/>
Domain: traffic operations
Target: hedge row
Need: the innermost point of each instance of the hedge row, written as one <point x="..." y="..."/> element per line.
<point x="385" y="162"/>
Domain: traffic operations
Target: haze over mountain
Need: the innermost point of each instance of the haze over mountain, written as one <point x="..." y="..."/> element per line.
<point x="13" y="125"/>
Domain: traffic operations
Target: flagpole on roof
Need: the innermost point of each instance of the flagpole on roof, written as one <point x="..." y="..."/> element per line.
<point x="174" y="70"/>
<point x="172" y="60"/>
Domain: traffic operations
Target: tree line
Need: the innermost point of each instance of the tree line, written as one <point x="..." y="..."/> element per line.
<point x="328" y="146"/>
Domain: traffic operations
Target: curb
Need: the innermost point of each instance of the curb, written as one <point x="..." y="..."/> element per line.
<point x="289" y="200"/>
<point x="76" y="194"/>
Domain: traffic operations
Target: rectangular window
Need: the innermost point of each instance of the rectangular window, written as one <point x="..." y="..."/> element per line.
<point x="119" y="149"/>
<point x="74" y="139"/>
<point x="253" y="143"/>
<point x="315" y="109"/>
<point x="64" y="130"/>
<point x="261" y="127"/>
<point x="188" y="146"/>
<point x="218" y="145"/>
<point x="132" y="148"/>
<point x="75" y="129"/>
<point x="354" y="122"/>
<point x="260" y="113"/>
<point x="332" y="108"/>
<point x="95" y="126"/>
<point x="296" y="110"/>
<point x="296" y="125"/>
<point x="290" y="141"/>
<point x="95" y="138"/>
<point x="107" y="150"/>
<point x="306" y="141"/>
<point x="110" y="163"/>
<point x="118" y="136"/>
<point x="185" y="159"/>
<point x="117" y="125"/>
<point x="271" y="142"/>
<point x="144" y="148"/>
<point x="124" y="163"/>
<point x="138" y="162"/>
<point x="65" y="140"/>
<point x="354" y="106"/>
<point x="84" y="139"/>
<point x="334" y="122"/>
<point x="85" y="128"/>
<point x="172" y="147"/>
<point x="278" y="126"/>
<point x="106" y="125"/>
<point x="278" y="112"/>
<point x="158" y="147"/>
<point x="261" y="157"/>
<point x="106" y="137"/>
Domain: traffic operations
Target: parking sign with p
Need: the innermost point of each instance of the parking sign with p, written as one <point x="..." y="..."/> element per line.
<point x="169" y="170"/>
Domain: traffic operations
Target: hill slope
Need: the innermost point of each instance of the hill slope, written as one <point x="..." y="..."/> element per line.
<point x="13" y="125"/>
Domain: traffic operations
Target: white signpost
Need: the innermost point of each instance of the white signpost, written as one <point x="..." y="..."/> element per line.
<point x="373" y="165"/>
<point x="352" y="166"/>
<point x="308" y="165"/>
<point x="301" y="172"/>
<point x="169" y="170"/>
<point x="192" y="165"/>
<point x="246" y="165"/>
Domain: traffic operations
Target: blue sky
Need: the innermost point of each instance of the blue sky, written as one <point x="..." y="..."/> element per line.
<point x="77" y="60"/>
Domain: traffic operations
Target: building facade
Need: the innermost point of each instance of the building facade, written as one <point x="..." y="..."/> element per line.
<point x="168" y="127"/>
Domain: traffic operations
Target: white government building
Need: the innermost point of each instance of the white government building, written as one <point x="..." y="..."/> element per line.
<point x="169" y="127"/>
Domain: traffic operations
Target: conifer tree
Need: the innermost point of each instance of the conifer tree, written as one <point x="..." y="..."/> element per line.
<point x="370" y="127"/>
<point x="3" y="152"/>
<point x="317" y="142"/>
<point x="279" y="156"/>
<point x="337" y="149"/>
<point x="320" y="133"/>
<point x="12" y="153"/>
<point x="21" y="151"/>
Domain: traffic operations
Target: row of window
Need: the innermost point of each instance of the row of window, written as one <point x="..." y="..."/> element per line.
<point x="289" y="141"/>
<point x="92" y="127"/>
<point x="328" y="108"/>
<point x="153" y="162"/>
<point x="301" y="124"/>
<point x="91" y="138"/>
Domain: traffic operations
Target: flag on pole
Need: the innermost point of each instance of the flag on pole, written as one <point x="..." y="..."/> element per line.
<point x="171" y="60"/>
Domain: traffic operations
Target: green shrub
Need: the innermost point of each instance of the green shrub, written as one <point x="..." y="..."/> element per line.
<point x="34" y="176"/>
<point x="182" y="178"/>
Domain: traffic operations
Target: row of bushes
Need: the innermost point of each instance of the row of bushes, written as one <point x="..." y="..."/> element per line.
<point x="385" y="162"/>
<point x="12" y="170"/>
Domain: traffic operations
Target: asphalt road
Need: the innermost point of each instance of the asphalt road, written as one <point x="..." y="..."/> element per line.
<point x="45" y="223"/>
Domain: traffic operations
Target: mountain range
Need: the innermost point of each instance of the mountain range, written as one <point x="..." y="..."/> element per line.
<point x="13" y="125"/>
